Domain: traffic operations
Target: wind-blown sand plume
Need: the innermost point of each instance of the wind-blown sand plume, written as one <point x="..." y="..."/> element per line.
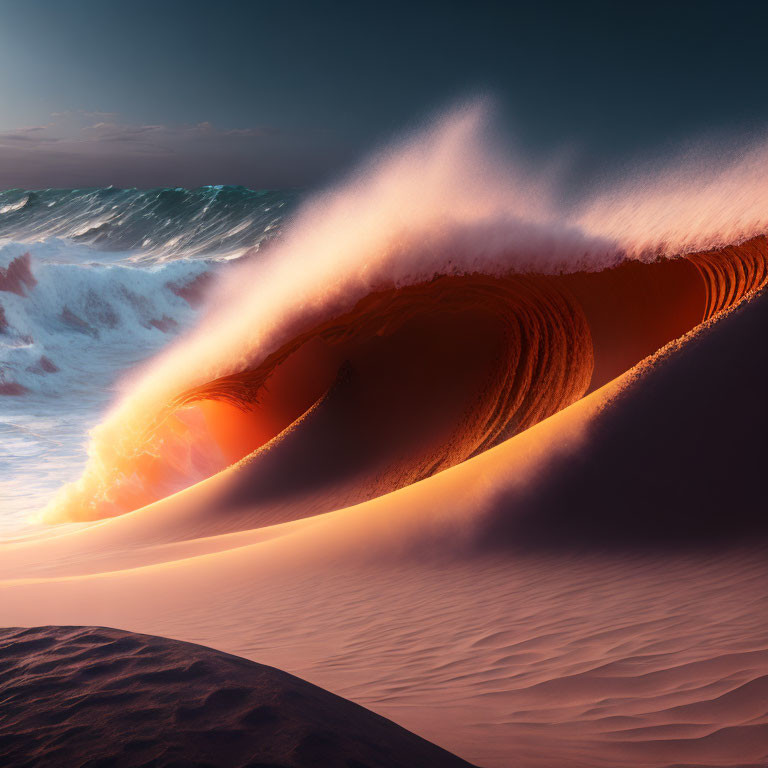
<point x="707" y="199"/>
<point x="489" y="475"/>
<point x="437" y="205"/>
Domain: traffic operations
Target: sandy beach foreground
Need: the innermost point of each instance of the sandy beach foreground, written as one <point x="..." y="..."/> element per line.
<point x="591" y="592"/>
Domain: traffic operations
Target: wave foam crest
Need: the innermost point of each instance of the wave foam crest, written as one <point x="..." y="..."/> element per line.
<point x="446" y="201"/>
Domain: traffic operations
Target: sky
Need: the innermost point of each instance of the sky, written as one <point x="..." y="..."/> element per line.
<point x="288" y="94"/>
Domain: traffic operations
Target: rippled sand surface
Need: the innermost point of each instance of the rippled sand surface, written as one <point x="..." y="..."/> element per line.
<point x="511" y="609"/>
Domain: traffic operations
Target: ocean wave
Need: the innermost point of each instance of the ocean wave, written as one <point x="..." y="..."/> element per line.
<point x="92" y="283"/>
<point x="158" y="222"/>
<point x="54" y="317"/>
<point x="422" y="260"/>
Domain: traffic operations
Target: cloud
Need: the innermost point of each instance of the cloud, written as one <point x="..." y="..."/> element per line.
<point x="33" y="134"/>
<point x="84" y="114"/>
<point x="146" y="136"/>
<point x="82" y="132"/>
<point x="159" y="135"/>
<point x="98" y="148"/>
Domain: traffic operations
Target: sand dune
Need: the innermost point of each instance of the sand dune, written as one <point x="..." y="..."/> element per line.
<point x="590" y="592"/>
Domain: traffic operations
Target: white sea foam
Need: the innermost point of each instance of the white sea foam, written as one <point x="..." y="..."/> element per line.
<point x="64" y="342"/>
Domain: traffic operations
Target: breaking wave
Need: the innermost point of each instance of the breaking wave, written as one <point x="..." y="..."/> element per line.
<point x="82" y="302"/>
<point x="55" y="313"/>
<point x="434" y="304"/>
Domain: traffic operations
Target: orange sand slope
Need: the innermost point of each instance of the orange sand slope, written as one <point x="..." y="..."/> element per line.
<point x="410" y="381"/>
<point x="563" y="598"/>
<point x="80" y="696"/>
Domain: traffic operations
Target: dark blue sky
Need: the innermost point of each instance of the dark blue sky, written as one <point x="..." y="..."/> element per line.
<point x="181" y="92"/>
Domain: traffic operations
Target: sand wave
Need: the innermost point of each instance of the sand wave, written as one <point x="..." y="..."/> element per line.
<point x="446" y="206"/>
<point x="413" y="380"/>
<point x="591" y="634"/>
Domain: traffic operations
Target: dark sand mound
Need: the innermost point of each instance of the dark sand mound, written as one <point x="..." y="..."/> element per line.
<point x="89" y="696"/>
